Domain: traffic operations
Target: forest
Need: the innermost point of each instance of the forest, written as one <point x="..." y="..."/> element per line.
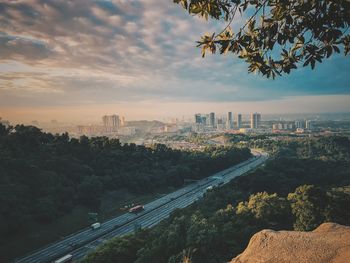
<point x="306" y="183"/>
<point x="44" y="176"/>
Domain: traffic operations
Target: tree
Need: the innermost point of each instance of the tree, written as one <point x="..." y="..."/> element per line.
<point x="308" y="204"/>
<point x="335" y="212"/>
<point x="269" y="208"/>
<point x="123" y="249"/>
<point x="278" y="35"/>
<point x="90" y="190"/>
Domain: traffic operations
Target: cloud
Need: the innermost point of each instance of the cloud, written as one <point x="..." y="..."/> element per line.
<point x="99" y="51"/>
<point x="22" y="48"/>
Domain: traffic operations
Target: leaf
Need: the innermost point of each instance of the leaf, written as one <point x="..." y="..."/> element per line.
<point x="251" y="25"/>
<point x="203" y="52"/>
<point x="301" y="39"/>
<point x="329" y="51"/>
<point x="312" y="63"/>
<point x="336" y="49"/>
<point x="346" y="50"/>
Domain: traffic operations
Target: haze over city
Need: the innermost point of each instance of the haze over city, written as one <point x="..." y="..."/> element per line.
<point x="76" y="61"/>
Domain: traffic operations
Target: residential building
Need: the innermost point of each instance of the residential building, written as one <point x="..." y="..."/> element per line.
<point x="200" y="118"/>
<point x="111" y="122"/>
<point x="229" y="121"/>
<point x="255" y="120"/>
<point x="309" y="125"/>
<point x="212" y="119"/>
<point x="299" y="124"/>
<point x="239" y="121"/>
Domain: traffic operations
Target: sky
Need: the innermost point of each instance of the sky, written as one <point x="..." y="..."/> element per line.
<point x="78" y="60"/>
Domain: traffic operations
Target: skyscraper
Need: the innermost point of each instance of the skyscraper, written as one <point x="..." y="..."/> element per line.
<point x="212" y="119"/>
<point x="309" y="125"/>
<point x="299" y="124"/>
<point x="200" y="119"/>
<point x="255" y="120"/>
<point x="239" y="121"/>
<point x="229" y="121"/>
<point x="111" y="122"/>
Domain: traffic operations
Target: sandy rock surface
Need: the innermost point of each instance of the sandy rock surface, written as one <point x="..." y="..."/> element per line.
<point x="329" y="243"/>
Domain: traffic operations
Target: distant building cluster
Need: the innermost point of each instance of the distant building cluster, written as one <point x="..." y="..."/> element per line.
<point x="115" y="125"/>
<point x="283" y="126"/>
<point x="208" y="122"/>
<point x="298" y="126"/>
<point x="112" y="125"/>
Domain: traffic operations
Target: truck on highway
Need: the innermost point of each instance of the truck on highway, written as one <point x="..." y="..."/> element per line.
<point x="65" y="259"/>
<point x="95" y="226"/>
<point x="136" y="209"/>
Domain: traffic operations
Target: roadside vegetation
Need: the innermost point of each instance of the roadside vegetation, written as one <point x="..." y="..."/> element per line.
<point x="45" y="178"/>
<point x="306" y="183"/>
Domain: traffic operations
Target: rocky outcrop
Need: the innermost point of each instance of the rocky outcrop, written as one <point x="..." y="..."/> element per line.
<point x="329" y="243"/>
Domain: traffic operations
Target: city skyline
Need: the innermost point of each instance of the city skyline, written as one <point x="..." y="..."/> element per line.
<point x="76" y="62"/>
<point x="158" y="112"/>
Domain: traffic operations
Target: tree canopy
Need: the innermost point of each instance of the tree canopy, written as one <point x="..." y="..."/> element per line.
<point x="45" y="177"/>
<point x="278" y="35"/>
<point x="290" y="192"/>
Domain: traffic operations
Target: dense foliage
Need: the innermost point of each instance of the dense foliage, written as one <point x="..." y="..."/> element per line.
<point x="336" y="148"/>
<point x="278" y="35"/>
<point x="290" y="192"/>
<point x="44" y="176"/>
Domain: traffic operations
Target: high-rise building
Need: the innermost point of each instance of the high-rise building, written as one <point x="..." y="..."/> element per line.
<point x="111" y="122"/>
<point x="212" y="119"/>
<point x="299" y="124"/>
<point x="255" y="120"/>
<point x="200" y="119"/>
<point x="309" y="125"/>
<point x="229" y="121"/>
<point x="239" y="121"/>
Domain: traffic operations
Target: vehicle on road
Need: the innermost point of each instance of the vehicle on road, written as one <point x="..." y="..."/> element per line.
<point x="65" y="259"/>
<point x="85" y="241"/>
<point x="136" y="209"/>
<point x="95" y="226"/>
<point x="210" y="188"/>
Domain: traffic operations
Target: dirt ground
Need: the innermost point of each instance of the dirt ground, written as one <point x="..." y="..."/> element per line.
<point x="329" y="243"/>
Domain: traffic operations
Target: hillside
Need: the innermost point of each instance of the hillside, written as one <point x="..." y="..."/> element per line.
<point x="328" y="243"/>
<point x="48" y="179"/>
<point x="295" y="191"/>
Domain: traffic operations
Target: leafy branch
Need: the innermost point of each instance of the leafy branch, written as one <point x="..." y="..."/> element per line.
<point x="276" y="45"/>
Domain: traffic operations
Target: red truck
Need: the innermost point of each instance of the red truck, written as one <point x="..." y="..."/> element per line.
<point x="136" y="209"/>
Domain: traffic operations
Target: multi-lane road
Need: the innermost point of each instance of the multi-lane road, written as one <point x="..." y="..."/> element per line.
<point x="81" y="243"/>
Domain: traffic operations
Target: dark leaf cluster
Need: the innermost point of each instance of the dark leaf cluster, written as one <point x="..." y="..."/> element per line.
<point x="279" y="35"/>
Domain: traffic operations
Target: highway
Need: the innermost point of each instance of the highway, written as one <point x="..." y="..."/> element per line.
<point x="85" y="241"/>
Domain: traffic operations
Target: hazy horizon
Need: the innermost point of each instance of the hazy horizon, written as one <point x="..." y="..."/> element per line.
<point x="93" y="115"/>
